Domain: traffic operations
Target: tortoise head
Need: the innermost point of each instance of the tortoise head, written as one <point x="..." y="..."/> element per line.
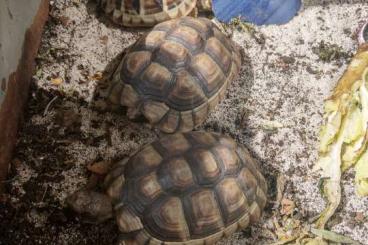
<point x="205" y="5"/>
<point x="94" y="207"/>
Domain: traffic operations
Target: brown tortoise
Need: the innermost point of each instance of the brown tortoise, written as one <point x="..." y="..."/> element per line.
<point x="176" y="74"/>
<point x="144" y="13"/>
<point x="185" y="188"/>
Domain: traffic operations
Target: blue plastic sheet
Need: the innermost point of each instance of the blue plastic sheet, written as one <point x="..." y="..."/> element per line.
<point x="259" y="12"/>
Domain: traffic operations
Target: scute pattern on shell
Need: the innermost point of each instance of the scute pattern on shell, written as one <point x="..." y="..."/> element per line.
<point x="187" y="187"/>
<point x="177" y="73"/>
<point x="146" y="12"/>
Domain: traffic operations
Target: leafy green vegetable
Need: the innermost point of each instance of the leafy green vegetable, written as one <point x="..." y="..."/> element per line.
<point x="361" y="177"/>
<point x="333" y="237"/>
<point x="344" y="135"/>
<point x="343" y="144"/>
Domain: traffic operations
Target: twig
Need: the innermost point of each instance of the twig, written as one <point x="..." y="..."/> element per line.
<point x="281" y="182"/>
<point x="48" y="105"/>
<point x="44" y="193"/>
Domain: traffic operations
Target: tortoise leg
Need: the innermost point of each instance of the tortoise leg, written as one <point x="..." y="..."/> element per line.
<point x="116" y="170"/>
<point x="228" y="33"/>
<point x="94" y="206"/>
<point x="110" y="77"/>
<point x="124" y="240"/>
<point x="129" y="242"/>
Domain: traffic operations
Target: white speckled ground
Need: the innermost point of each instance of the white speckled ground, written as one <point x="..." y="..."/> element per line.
<point x="283" y="80"/>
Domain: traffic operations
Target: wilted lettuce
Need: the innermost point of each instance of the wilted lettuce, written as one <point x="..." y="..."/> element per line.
<point x="343" y="144"/>
<point x="344" y="134"/>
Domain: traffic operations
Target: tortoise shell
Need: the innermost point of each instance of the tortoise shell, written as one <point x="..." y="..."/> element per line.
<point x="177" y="73"/>
<point x="188" y="188"/>
<point x="146" y="12"/>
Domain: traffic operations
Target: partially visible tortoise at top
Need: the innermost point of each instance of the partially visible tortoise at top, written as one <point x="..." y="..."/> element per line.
<point x="146" y="13"/>
<point x="176" y="74"/>
<point x="184" y="189"/>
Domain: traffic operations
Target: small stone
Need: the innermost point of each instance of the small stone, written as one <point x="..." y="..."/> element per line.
<point x="104" y="39"/>
<point x="64" y="20"/>
<point x="288" y="59"/>
<point x="359" y="217"/>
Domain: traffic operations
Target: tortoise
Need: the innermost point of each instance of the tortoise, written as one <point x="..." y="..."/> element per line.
<point x="147" y="13"/>
<point x="185" y="188"/>
<point x="175" y="74"/>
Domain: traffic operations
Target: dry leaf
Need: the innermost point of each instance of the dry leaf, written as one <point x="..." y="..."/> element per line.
<point x="281" y="182"/>
<point x="333" y="237"/>
<point x="271" y="125"/>
<point x="97" y="76"/>
<point x="287" y="206"/>
<point x="57" y="81"/>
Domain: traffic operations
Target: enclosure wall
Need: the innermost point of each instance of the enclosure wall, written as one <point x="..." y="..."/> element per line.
<point x="21" y="25"/>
